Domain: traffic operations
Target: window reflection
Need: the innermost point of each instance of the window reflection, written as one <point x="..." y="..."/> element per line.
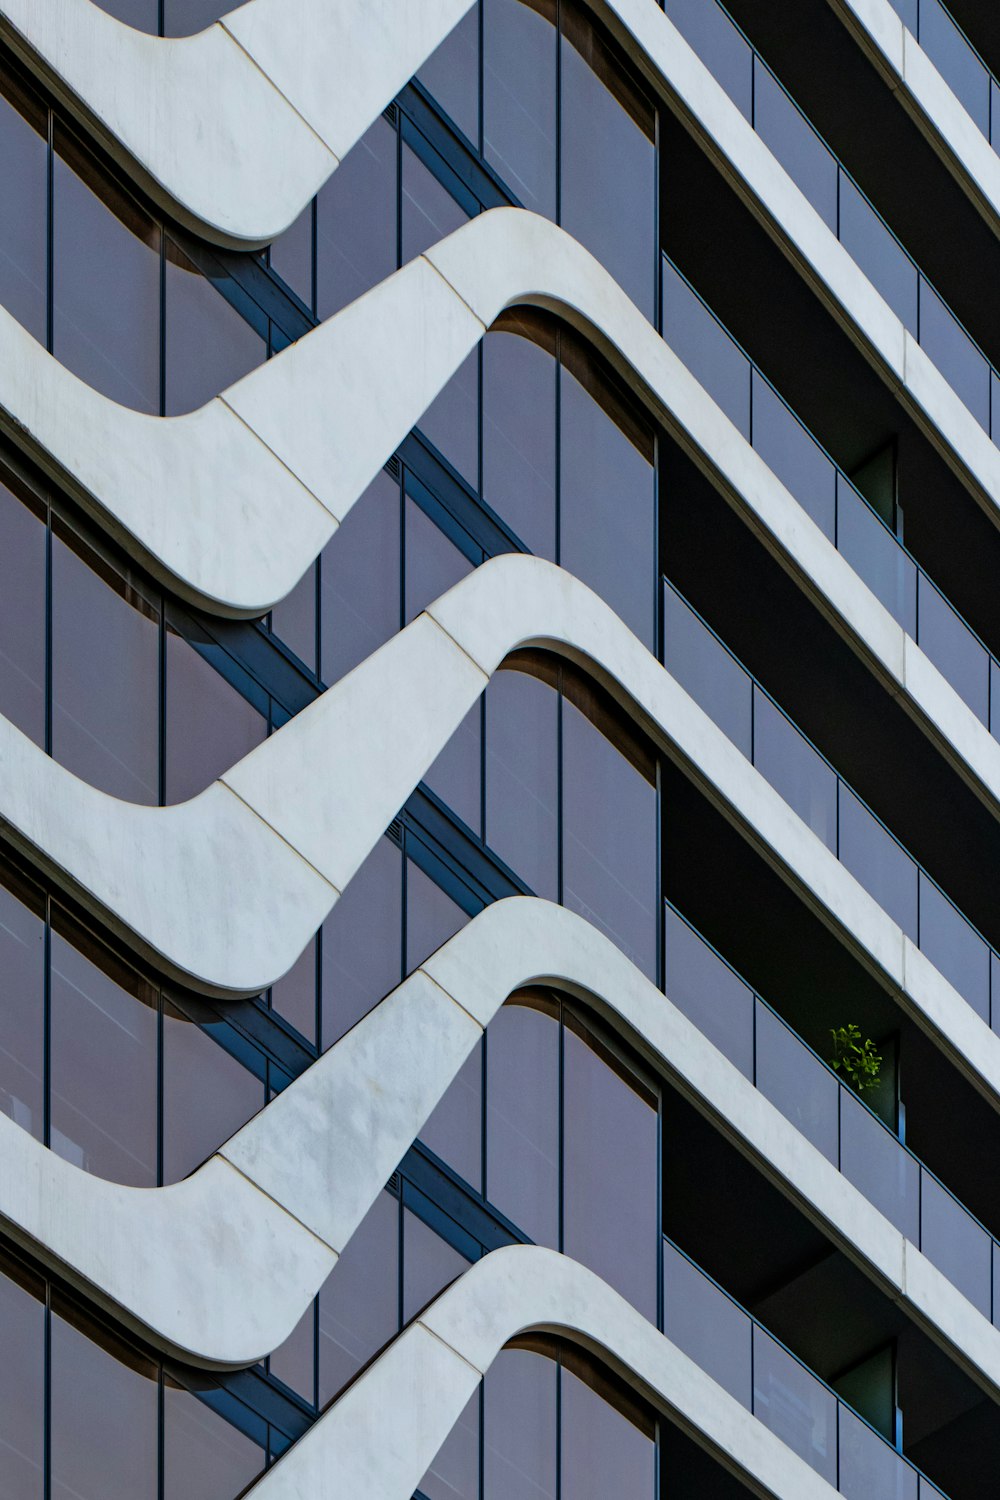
<point x="522" y="1119"/>
<point x="602" y="1451"/>
<point x="362" y="942"/>
<point x="356" y="222"/>
<point x="360" y="605"/>
<point x="519" y="430"/>
<point x="208" y="344"/>
<point x="22" y="1378"/>
<point x="207" y="1094"/>
<point x="519" y="98"/>
<point x="204" y="1457"/>
<point x="210" y="725"/>
<point x="451" y="74"/>
<point x="22" y="957"/>
<point x="520" y="1427"/>
<point x="359" y="1305"/>
<point x="22" y="616"/>
<point x="522" y="772"/>
<point x="23" y="193"/>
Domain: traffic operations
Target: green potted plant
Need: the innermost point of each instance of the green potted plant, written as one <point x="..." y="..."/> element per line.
<point x="858" y="1062"/>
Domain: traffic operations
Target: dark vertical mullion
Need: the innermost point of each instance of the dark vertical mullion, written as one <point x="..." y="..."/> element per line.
<point x="47" y="1396"/>
<point x="50" y="236"/>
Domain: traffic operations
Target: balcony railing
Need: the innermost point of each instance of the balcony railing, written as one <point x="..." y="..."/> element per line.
<point x="957" y="60"/>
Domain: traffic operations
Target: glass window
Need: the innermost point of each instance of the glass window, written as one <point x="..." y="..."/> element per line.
<point x="429" y="210"/>
<point x="356" y="221"/>
<point x="519" y="433"/>
<point x="454" y="1474"/>
<point x="607" y="507"/>
<point x="22" y="958"/>
<point x="953" y="649"/>
<point x="293" y="619"/>
<point x="22" y="616"/>
<point x="429" y="1265"/>
<point x="519" y="100"/>
<point x="22" y="1390"/>
<point x="955" y="60"/>
<point x="701" y="1320"/>
<point x="362" y="942"/>
<point x="954" y="353"/>
<point x="207" y="1094"/>
<point x="796" y="145"/>
<point x="868" y="1466"/>
<point x="522" y="759"/>
<point x="610" y="1136"/>
<point x="794" y="1405"/>
<point x="103" y="1054"/>
<point x="360" y="575"/>
<point x="104" y="1422"/>
<point x="208" y="344"/>
<point x="953" y="947"/>
<point x="609" y="839"/>
<point x="24" y="195"/>
<point x="608" y="160"/>
<point x="875" y="859"/>
<point x="359" y="1304"/>
<point x="291" y="254"/>
<point x="602" y="1453"/>
<point x="105" y="675"/>
<point x="878" y="253"/>
<point x="106" y="284"/>
<point x="519" y="1427"/>
<point x="185" y="17"/>
<point x="796" y="1082"/>
<point x="706" y="348"/>
<point x="451" y="422"/>
<point x="294" y="1361"/>
<point x="951" y="1238"/>
<point x="204" y="1456"/>
<point x="701" y="985"/>
<point x="873" y="1159"/>
<point x="718" y="43"/>
<point x="705" y="669"/>
<point x="794" y="769"/>
<point x="210" y="726"/>
<point x="794" y="456"/>
<point x="876" y="557"/>
<point x="295" y="994"/>
<point x="522" y="1120"/>
<point x="451" y="74"/>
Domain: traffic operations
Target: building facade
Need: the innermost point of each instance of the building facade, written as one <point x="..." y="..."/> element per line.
<point x="499" y="781"/>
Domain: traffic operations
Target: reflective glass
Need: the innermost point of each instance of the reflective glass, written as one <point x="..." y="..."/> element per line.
<point x="705" y="669"/>
<point x="363" y="942"/>
<point x="705" y="988"/>
<point x="359" y="1303"/>
<point x="142" y="14"/>
<point x="208" y="345"/>
<point x="294" y="1361"/>
<point x="955" y="60"/>
<point x="875" y="859"/>
<point x="795" y="769"/>
<point x="451" y="422"/>
<point x="955" y="355"/>
<point x="952" y="946"/>
<point x="607" y="509"/>
<point x="701" y="1320"/>
<point x="609" y="840"/>
<point x="294" y="995"/>
<point x="795" y="144"/>
<point x="519" y="101"/>
<point x="454" y="1474"/>
<point x="602" y="1453"/>
<point x="105" y="285"/>
<point x="204" y="1456"/>
<point x="873" y="1159"/>
<point x="24" y="224"/>
<point x="185" y="17"/>
<point x="429" y="1265"/>
<point x="105" y="677"/>
<point x="22" y="1016"/>
<point x="519" y="1426"/>
<point x="875" y="556"/>
<point x="878" y="253"/>
<point x="360" y="605"/>
<point x="22" y="1392"/>
<point x="103" y="1062"/>
<point x="293" y="619"/>
<point x="961" y="1248"/>
<point x="522" y="1120"/>
<point x="210" y="725"/>
<point x="356" y="221"/>
<point x="797" y="460"/>
<point x="22" y="617"/>
<point x="519" y="432"/>
<point x="796" y="1082"/>
<point x="104" y="1419"/>
<point x="794" y="1405"/>
<point x="610" y="1135"/>
<point x="718" y="43"/>
<point x="706" y="348"/>
<point x="207" y="1094"/>
<point x="868" y="1466"/>
<point x="908" y="12"/>
<point x="451" y="74"/>
<point x="954" y="650"/>
<point x="608" y="162"/>
<point x="291" y="254"/>
<point x="429" y="211"/>
<point x="522" y="763"/>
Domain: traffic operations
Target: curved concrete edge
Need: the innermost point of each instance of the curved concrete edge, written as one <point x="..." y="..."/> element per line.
<point x="242" y="875"/>
<point x="233" y="130"/>
<point x="294" y="1184"/>
<point x="259" y="479"/>
<point x="918" y="85"/>
<point x="430" y="1371"/>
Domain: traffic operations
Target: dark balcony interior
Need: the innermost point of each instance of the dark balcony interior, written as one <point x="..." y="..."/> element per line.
<point x="981" y="24"/>
<point x="758" y="1246"/>
<point x="764" y="301"/>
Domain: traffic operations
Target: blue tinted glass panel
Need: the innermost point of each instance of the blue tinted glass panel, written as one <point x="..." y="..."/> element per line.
<point x="22" y="1392"/>
<point x="104" y="1419"/>
<point x="208" y="344"/>
<point x="875" y="859"/>
<point x="522" y="1120"/>
<point x="994" y="698"/>
<point x="22" y="617"/>
<point x="207" y="1094"/>
<point x="429" y="1264"/>
<point x="961" y="1248"/>
<point x="706" y="348"/>
<point x="359" y="1305"/>
<point x="704" y="668"/>
<point x="878" y="253"/>
<point x="23" y="226"/>
<point x="451" y="422"/>
<point x="204" y="1456"/>
<point x="796" y="145"/>
<point x="522" y="772"/>
<point x="954" y="650"/>
<point x="293" y="1362"/>
<point x="291" y="255"/>
<point x="454" y="1474"/>
<point x="601" y="1453"/>
<point x="873" y="1159"/>
<point x="363" y="942"/>
<point x="185" y="17"/>
<point x="702" y="1321"/>
<point x="361" y="581"/>
<point x="708" y="992"/>
<point x="356" y="221"/>
<point x="795" y="457"/>
<point x="519" y="101"/>
<point x="955" y="60"/>
<point x="519" y="1427"/>
<point x="876" y="557"/>
<point x="210" y="725"/>
<point x="794" y="769"/>
<point x="794" y="1405"/>
<point x="954" y="947"/>
<point x="796" y="1082"/>
<point x="428" y="209"/>
<point x="142" y="14"/>
<point x="907" y="10"/>
<point x="519" y="435"/>
<point x="22" y="1016"/>
<point x="451" y="74"/>
<point x="720" y="46"/>
<point x="955" y="355"/>
<point x="994" y="112"/>
<point x="868" y="1466"/>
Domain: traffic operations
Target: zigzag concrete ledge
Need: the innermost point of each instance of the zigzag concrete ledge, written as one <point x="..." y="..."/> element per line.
<point x="292" y="1187"/>
<point x="433" y="1369"/>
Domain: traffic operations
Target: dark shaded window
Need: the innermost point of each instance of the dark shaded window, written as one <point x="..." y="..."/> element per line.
<point x="23" y="193"/>
<point x="208" y="345"/>
<point x="359" y="1305"/>
<point x="207" y="1094"/>
<point x="22" y="616"/>
<point x="356" y="221"/>
<point x="522" y="1120"/>
<point x="210" y="725"/>
<point x="360" y="605"/>
<point x="204" y="1457"/>
<point x="22" y="1384"/>
<point x="363" y="942"/>
<point x="22" y="959"/>
<point x="519" y="98"/>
